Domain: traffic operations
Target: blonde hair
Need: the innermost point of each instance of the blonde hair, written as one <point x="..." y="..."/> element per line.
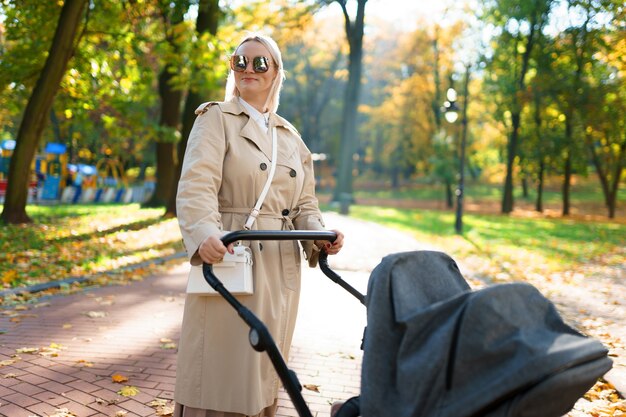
<point x="273" y="97"/>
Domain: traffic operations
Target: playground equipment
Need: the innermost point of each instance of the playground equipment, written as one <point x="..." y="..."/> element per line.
<point x="112" y="184"/>
<point x="53" y="166"/>
<point x="6" y="150"/>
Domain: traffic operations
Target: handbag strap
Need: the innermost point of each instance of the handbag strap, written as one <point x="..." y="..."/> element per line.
<point x="257" y="207"/>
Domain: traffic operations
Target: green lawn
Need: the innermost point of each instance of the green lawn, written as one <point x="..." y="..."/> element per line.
<point x="76" y="240"/>
<point x="68" y="241"/>
<point x="522" y="245"/>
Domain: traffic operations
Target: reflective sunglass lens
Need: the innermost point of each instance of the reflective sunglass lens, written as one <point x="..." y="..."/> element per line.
<point x="238" y="63"/>
<point x="260" y="64"/>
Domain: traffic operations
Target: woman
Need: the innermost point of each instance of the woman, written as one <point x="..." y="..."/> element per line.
<point x="225" y="168"/>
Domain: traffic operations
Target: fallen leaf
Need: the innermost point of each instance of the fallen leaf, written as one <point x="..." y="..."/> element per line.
<point x="31" y="350"/>
<point x="158" y="402"/>
<point x="9" y="276"/>
<point x="121" y="413"/>
<point x="165" y="411"/>
<point x="119" y="378"/>
<point x="82" y="362"/>
<point x="96" y="314"/>
<point x="162" y="407"/>
<point x="8" y="362"/>
<point x="312" y="387"/>
<point x="63" y="412"/>
<point x="128" y="391"/>
<point x="9" y="376"/>
<point x="105" y="402"/>
<point x="67" y="326"/>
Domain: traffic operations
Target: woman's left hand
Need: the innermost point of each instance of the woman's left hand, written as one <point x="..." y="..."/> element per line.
<point x="331" y="248"/>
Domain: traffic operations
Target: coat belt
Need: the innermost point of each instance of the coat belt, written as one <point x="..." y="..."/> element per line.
<point x="288" y="219"/>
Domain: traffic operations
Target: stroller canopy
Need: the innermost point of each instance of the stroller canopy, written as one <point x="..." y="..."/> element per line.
<point x="434" y="347"/>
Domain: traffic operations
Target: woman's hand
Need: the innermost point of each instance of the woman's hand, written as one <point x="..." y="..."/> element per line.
<point x="212" y="250"/>
<point x="331" y="248"/>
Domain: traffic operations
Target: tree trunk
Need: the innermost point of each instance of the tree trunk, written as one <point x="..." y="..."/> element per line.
<point x="539" y="201"/>
<point x="609" y="189"/>
<point x="38" y="110"/>
<point x="354" y="33"/>
<point x="507" y="195"/>
<point x="567" y="181"/>
<point x="207" y="21"/>
<point x="449" y="198"/>
<point x="525" y="186"/>
<point x="170" y="117"/>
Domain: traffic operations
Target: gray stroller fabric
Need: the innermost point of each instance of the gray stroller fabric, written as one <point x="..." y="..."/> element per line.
<point x="434" y="347"/>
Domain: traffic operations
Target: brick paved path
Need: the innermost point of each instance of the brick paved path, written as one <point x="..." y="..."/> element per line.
<point x="75" y="344"/>
<point x="71" y="346"/>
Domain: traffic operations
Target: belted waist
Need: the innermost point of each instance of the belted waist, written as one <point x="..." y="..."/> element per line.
<point x="290" y="213"/>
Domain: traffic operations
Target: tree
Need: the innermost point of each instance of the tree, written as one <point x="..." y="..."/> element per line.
<point x="206" y="24"/>
<point x="354" y="35"/>
<point x="37" y="110"/>
<point x="172" y="14"/>
<point x="513" y="53"/>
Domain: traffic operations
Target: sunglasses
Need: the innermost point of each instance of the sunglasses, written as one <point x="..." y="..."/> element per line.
<point x="239" y="63"/>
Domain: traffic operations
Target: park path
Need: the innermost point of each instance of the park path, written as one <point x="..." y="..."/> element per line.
<point x="62" y="353"/>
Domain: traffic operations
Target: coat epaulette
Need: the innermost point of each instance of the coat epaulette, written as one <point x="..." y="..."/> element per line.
<point x="204" y="107"/>
<point x="289" y="126"/>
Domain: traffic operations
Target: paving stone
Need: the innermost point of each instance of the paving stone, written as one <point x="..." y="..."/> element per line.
<point x="325" y="351"/>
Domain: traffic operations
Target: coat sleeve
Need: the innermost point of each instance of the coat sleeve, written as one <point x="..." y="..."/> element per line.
<point x="200" y="181"/>
<point x="309" y="216"/>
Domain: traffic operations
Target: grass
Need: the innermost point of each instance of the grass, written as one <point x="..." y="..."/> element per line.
<point x="522" y="246"/>
<point x="583" y="192"/>
<point x="69" y="241"/>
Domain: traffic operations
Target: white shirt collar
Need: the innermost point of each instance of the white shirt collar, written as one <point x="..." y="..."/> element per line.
<point x="262" y="119"/>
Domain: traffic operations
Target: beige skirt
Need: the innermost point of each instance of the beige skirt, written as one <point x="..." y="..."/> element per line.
<point x="182" y="411"/>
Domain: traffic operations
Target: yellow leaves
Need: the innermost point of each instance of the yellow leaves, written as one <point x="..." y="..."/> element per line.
<point x="162" y="407"/>
<point x="8" y="362"/>
<point x="167" y="343"/>
<point x="96" y="314"/>
<point x="106" y="402"/>
<point x="9" y="276"/>
<point x="312" y="387"/>
<point x="119" y="378"/>
<point x="31" y="350"/>
<point x="129" y="391"/>
<point x="83" y="363"/>
<point x="63" y="412"/>
<point x="66" y="326"/>
<point x="96" y="245"/>
<point x="46" y="351"/>
<point x="605" y="401"/>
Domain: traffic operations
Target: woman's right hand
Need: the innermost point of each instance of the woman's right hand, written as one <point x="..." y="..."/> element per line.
<point x="212" y="250"/>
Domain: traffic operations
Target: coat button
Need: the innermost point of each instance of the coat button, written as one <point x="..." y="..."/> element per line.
<point x="292" y="173"/>
<point x="263" y="166"/>
<point x="260" y="246"/>
<point x="285" y="212"/>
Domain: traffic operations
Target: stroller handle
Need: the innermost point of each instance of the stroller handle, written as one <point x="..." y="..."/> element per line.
<point x="232" y="237"/>
<point x="330" y="236"/>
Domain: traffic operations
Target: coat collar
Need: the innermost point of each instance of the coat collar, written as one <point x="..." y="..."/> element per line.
<point x="251" y="131"/>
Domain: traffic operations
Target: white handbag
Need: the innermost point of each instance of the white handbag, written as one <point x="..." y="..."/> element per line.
<point x="234" y="271"/>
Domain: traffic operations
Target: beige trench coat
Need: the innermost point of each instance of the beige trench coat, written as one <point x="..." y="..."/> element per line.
<point x="225" y="168"/>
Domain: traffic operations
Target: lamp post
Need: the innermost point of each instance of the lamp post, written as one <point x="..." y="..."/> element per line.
<point x="451" y="113"/>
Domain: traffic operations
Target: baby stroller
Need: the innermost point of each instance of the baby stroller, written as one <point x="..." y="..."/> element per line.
<point x="433" y="347"/>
